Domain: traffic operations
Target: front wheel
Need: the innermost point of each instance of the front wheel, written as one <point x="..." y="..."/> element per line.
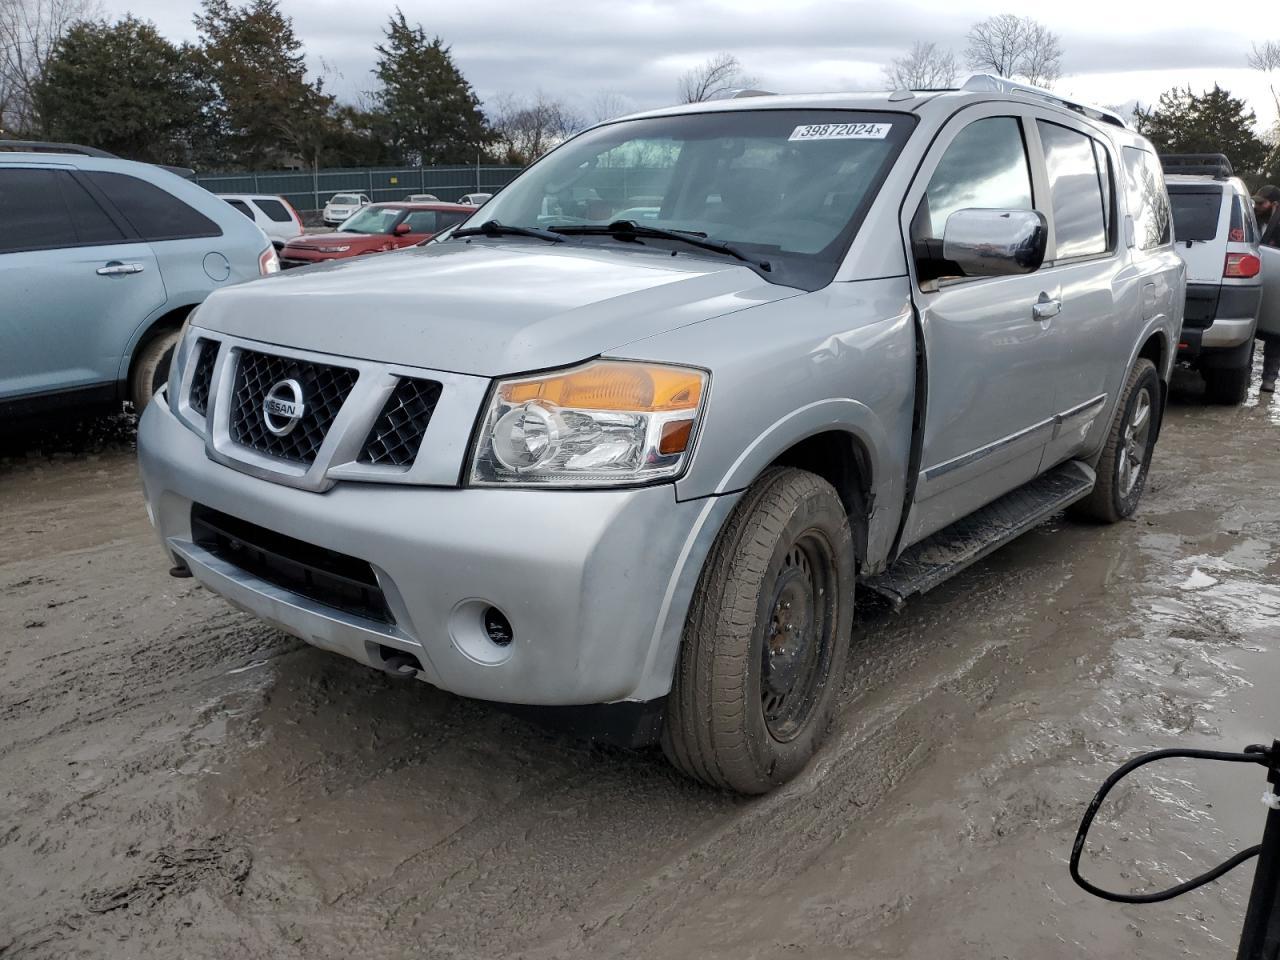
<point x="1122" y="470"/>
<point x="767" y="637"/>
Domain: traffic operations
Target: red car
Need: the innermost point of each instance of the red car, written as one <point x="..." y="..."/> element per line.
<point x="377" y="227"/>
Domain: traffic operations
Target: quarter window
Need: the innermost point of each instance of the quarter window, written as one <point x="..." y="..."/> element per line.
<point x="154" y="213"/>
<point x="984" y="167"/>
<point x="1075" y="186"/>
<point x="1148" y="202"/>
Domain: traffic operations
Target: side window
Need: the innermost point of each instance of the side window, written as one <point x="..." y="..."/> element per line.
<point x="152" y="212"/>
<point x="93" y="226"/>
<point x="242" y="207"/>
<point x="1107" y="180"/>
<point x="1244" y="228"/>
<point x="273" y="209"/>
<point x="32" y="211"/>
<point x="421" y="221"/>
<point x="450" y="219"/>
<point x="985" y="166"/>
<point x="1147" y="200"/>
<point x="1075" y="186"/>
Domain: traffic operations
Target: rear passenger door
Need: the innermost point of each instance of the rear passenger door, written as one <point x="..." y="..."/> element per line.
<point x="1098" y="298"/>
<point x="74" y="282"/>
<point x="990" y="392"/>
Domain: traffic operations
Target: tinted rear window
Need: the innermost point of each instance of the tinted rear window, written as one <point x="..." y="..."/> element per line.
<point x="153" y="213"/>
<point x="274" y="209"/>
<point x="1195" y="213"/>
<point x="93" y="226"/>
<point x="32" y="211"/>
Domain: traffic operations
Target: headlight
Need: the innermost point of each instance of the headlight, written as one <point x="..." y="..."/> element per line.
<point x="181" y="354"/>
<point x="607" y="423"/>
<point x="334" y="249"/>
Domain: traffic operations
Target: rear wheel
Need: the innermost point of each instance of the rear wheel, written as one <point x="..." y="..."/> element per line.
<point x="1122" y="471"/>
<point x="767" y="638"/>
<point x="1228" y="386"/>
<point x="151" y="368"/>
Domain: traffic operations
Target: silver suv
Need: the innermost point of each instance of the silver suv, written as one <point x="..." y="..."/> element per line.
<point x="569" y="457"/>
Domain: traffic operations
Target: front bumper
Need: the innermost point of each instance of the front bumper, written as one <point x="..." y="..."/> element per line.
<point x="595" y="584"/>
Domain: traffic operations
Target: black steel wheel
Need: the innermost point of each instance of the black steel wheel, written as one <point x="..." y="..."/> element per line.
<point x="766" y="638"/>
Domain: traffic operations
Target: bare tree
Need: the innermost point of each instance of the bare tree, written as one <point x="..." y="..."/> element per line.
<point x="712" y="80"/>
<point x="29" y="31"/>
<point x="1265" y="57"/>
<point x="926" y="66"/>
<point x="526" y="129"/>
<point x="607" y="104"/>
<point x="1015" y="47"/>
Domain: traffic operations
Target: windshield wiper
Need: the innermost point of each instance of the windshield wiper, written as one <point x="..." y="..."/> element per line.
<point x="629" y="230"/>
<point x="492" y="228"/>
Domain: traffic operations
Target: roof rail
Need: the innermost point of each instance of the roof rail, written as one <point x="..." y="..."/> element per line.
<point x="49" y="146"/>
<point x="988" y="83"/>
<point x="739" y="94"/>
<point x="1214" y="165"/>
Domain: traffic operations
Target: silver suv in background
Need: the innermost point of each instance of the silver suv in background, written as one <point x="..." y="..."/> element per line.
<point x="1217" y="238"/>
<point x="101" y="260"/>
<point x="574" y="459"/>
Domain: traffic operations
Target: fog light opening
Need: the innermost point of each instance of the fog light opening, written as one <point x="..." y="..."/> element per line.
<point x="497" y="627"/>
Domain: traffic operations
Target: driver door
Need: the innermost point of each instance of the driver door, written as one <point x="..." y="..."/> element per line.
<point x="991" y="375"/>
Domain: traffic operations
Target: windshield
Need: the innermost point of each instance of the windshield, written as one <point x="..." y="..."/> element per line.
<point x="345" y="198"/>
<point x="372" y="220"/>
<point x="787" y="186"/>
<point x="1195" y="212"/>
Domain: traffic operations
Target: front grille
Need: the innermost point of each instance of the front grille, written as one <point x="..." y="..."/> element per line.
<point x="202" y="376"/>
<point x="397" y="433"/>
<point x="324" y="389"/>
<point x="325" y="576"/>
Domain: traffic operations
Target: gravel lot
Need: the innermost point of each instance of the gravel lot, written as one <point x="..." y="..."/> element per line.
<point x="177" y="780"/>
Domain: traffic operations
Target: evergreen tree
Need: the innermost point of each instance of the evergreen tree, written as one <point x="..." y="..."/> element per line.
<point x="267" y="110"/>
<point x="1213" y="122"/>
<point x="430" y="111"/>
<point x="125" y="88"/>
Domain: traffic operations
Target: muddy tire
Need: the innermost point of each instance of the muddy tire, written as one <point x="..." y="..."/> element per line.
<point x="151" y="368"/>
<point x="1228" y="386"/>
<point x="767" y="637"/>
<point x="1122" y="471"/>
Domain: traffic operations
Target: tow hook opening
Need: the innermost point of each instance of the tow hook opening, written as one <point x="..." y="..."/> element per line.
<point x="399" y="664"/>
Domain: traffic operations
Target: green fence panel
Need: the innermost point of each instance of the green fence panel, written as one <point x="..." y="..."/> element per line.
<point x="309" y="190"/>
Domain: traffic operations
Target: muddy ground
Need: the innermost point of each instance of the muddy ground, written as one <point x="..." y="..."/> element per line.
<point x="177" y="780"/>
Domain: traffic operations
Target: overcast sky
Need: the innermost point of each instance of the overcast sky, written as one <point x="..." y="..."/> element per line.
<point x="635" y="49"/>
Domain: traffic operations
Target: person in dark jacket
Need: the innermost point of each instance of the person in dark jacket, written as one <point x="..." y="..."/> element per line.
<point x="1266" y="207"/>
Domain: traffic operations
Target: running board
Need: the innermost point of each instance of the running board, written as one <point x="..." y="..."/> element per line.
<point x="928" y="563"/>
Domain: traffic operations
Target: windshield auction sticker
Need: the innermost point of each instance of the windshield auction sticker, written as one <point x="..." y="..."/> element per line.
<point x="841" y="131"/>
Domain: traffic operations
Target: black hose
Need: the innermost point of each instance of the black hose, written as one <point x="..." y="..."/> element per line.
<point x="1252" y="754"/>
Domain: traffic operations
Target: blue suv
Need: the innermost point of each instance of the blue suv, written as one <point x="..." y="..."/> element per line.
<point x="101" y="260"/>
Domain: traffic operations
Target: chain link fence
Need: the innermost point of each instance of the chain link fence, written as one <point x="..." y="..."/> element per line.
<point x="309" y="190"/>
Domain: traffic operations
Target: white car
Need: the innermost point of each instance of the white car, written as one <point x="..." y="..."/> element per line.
<point x="421" y="198"/>
<point x="341" y="206"/>
<point x="275" y="215"/>
<point x="475" y="199"/>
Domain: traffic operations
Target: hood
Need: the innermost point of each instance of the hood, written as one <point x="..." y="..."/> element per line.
<point x="486" y="308"/>
<point x="337" y="239"/>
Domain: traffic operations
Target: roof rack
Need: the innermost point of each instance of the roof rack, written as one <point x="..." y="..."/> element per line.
<point x="988" y="83"/>
<point x="740" y="94"/>
<point x="1214" y="165"/>
<point x="52" y="146"/>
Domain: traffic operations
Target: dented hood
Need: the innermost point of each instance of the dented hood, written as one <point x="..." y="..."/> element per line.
<point x="488" y="307"/>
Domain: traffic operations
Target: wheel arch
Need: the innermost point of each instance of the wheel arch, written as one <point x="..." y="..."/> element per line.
<point x="171" y="319"/>
<point x="843" y="460"/>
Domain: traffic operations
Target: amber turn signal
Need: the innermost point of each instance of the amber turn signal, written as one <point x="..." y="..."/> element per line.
<point x="614" y="385"/>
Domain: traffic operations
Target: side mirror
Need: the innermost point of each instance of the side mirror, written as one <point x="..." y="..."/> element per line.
<point x="995" y="243"/>
<point x="401" y="229"/>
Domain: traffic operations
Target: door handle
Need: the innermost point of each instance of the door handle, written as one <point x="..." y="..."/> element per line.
<point x="117" y="269"/>
<point x="1046" y="307"/>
